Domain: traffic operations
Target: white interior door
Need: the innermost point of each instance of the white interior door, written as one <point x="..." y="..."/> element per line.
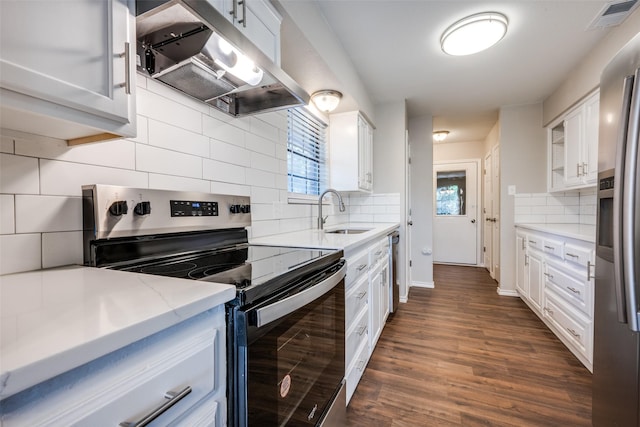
<point x="455" y="225"/>
<point x="407" y="235"/>
<point x="487" y="217"/>
<point x="495" y="182"/>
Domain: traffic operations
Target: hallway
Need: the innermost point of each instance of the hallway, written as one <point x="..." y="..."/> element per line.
<point x="461" y="355"/>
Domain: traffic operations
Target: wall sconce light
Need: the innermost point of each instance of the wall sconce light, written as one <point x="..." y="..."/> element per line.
<point x="440" y="135"/>
<point x="474" y="33"/>
<point x="326" y="100"/>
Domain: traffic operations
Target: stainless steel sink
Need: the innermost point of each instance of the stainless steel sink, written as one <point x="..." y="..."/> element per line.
<point x="348" y="231"/>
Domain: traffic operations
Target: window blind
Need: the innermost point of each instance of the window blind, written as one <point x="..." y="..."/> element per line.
<point x="306" y="153"/>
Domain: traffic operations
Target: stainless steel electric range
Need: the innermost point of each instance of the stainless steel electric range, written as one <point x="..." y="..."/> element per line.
<point x="285" y="328"/>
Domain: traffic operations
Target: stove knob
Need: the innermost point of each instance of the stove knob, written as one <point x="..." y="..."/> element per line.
<point x="119" y="208"/>
<point x="142" y="208"/>
<point x="235" y="209"/>
<point x="245" y="208"/>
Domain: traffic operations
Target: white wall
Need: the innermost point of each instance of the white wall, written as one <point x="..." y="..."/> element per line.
<point x="182" y="144"/>
<point x="523" y="164"/>
<point x="451" y="151"/>
<point x="421" y="141"/>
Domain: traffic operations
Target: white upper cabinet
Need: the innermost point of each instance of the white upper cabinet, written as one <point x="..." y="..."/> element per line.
<point x="258" y="20"/>
<point x="67" y="70"/>
<point x="351" y="152"/>
<point x="573" y="147"/>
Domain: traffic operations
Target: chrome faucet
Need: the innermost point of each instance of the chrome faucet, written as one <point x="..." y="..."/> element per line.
<point x="322" y="220"/>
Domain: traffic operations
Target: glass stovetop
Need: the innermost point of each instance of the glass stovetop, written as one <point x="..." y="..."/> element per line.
<point x="247" y="267"/>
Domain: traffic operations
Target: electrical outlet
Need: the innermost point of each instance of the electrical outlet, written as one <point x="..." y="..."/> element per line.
<point x="511" y="190"/>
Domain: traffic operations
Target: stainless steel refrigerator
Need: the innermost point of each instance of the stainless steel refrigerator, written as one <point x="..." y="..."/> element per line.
<point x="616" y="354"/>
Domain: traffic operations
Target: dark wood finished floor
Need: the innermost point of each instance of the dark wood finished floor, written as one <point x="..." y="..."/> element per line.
<point x="461" y="355"/>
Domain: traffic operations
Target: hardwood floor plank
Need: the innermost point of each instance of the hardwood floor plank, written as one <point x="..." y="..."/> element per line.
<point x="462" y="355"/>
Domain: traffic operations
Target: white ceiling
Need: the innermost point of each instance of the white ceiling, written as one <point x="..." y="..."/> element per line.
<point x="395" y="48"/>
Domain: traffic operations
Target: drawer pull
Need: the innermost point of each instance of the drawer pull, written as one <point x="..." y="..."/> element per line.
<point x="550" y="276"/>
<point x="574" y="333"/>
<point x="362" y="330"/>
<point x="572" y="255"/>
<point x="589" y="276"/>
<point x="378" y="253"/>
<point x="174" y="397"/>
<point x="549" y="311"/>
<point x="533" y="241"/>
<point x="362" y="267"/>
<point x="361" y="295"/>
<point x="574" y="290"/>
<point x="551" y="248"/>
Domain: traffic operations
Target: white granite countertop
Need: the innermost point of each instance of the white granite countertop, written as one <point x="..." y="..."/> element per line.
<point x="573" y="231"/>
<point x="322" y="239"/>
<point x="58" y="319"/>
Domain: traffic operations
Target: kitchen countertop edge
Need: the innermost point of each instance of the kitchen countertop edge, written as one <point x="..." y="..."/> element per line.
<point x="583" y="232"/>
<point x="164" y="306"/>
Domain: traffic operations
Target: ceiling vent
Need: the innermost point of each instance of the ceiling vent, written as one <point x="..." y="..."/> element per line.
<point x="613" y="13"/>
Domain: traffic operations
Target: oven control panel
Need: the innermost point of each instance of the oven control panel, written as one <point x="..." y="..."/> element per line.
<point x="114" y="211"/>
<point x="193" y="208"/>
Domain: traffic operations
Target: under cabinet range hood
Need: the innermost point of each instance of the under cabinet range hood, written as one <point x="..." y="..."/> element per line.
<point x="189" y="45"/>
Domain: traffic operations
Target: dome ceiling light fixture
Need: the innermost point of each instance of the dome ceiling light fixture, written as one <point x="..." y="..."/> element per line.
<point x="326" y="100"/>
<point x="440" y="135"/>
<point x="474" y="33"/>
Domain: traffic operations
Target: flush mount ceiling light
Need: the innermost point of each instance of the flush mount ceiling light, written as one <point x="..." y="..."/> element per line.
<point x="474" y="33"/>
<point x="440" y="135"/>
<point x="326" y="100"/>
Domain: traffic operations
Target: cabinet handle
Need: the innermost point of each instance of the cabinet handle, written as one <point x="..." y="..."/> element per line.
<point x="526" y="259"/>
<point x="585" y="170"/>
<point x="234" y="10"/>
<point x="578" y="166"/>
<point x="550" y="276"/>
<point x="369" y="177"/>
<point x="243" y="21"/>
<point x="533" y="241"/>
<point x="362" y="267"/>
<point x="127" y="69"/>
<point x="589" y="276"/>
<point x="362" y="330"/>
<point x="523" y="242"/>
<point x="574" y="333"/>
<point x="361" y="295"/>
<point x="572" y="255"/>
<point x="551" y="248"/>
<point x="549" y="311"/>
<point x="574" y="290"/>
<point x="378" y="253"/>
<point x="174" y="397"/>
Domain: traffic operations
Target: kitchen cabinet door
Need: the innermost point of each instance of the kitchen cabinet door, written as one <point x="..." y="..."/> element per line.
<point x="534" y="277"/>
<point x="351" y="152"/>
<point x="590" y="143"/>
<point x="70" y="76"/>
<point x="573" y="135"/>
<point x="522" y="284"/>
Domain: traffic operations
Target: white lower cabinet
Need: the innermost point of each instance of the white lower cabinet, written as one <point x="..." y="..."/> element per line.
<point x="184" y="365"/>
<point x="559" y="286"/>
<point x="366" y="306"/>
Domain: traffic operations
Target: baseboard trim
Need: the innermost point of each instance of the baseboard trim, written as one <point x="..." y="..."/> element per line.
<point x="422" y="285"/>
<point x="507" y="292"/>
<point x="404" y="299"/>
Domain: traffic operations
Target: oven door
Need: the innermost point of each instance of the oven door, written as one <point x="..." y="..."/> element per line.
<point x="289" y="355"/>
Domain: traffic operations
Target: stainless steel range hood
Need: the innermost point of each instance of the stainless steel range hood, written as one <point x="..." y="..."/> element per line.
<point x="189" y="45"/>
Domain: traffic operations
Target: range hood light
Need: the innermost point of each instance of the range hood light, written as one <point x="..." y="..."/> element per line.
<point x="234" y="61"/>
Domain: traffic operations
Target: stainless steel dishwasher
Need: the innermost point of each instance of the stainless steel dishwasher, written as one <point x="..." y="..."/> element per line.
<point x="394" y="289"/>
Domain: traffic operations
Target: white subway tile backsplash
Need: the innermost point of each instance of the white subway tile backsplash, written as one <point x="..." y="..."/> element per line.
<point x="265" y="228"/>
<point x="61" y="249"/>
<point x="229" y="153"/>
<point x="159" y="160"/>
<point x="18" y="175"/>
<point x="546" y="210"/>
<point x="178" y="183"/>
<point x="266" y="130"/>
<point x="227" y="188"/>
<point x="260" y="178"/>
<point x="162" y="109"/>
<point x="20" y="252"/>
<point x="265" y="163"/>
<point x="264" y="195"/>
<point x="177" y="139"/>
<point x="177" y="97"/>
<point x="261" y="145"/>
<point x="7" y="214"/>
<point x="66" y="179"/>
<point x="142" y="134"/>
<point x="386" y="218"/>
<point x="223" y="131"/>
<point x="118" y="153"/>
<point x="6" y="144"/>
<point x="224" y="172"/>
<point x="40" y="214"/>
<point x="563" y="219"/>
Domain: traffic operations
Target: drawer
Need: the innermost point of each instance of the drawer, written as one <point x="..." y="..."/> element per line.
<point x="357" y="265"/>
<point x="357" y="333"/>
<point x="356" y="299"/>
<point x="578" y="255"/>
<point x="127" y="385"/>
<point x="535" y="242"/>
<point x="378" y="251"/>
<point x="576" y="292"/>
<point x="553" y="247"/>
<point x="356" y="369"/>
<point x="204" y="414"/>
<point x="572" y="326"/>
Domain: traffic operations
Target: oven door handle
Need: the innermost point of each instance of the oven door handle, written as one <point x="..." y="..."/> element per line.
<point x="288" y="305"/>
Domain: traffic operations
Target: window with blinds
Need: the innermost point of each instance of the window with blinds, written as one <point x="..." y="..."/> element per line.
<point x="306" y="153"/>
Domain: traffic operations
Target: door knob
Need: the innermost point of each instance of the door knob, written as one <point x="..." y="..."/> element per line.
<point x="409" y="222"/>
<point x="473" y="221"/>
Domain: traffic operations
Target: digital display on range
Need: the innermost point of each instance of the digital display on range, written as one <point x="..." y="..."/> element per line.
<point x="193" y="208"/>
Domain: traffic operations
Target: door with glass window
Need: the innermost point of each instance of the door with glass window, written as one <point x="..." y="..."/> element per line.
<point x="455" y="217"/>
